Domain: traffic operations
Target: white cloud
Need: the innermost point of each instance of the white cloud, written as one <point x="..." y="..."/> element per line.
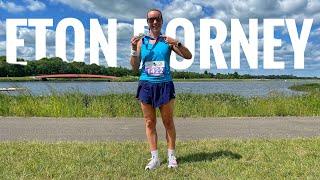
<point x="315" y="33"/>
<point x="313" y="7"/>
<point x="2" y="28"/>
<point x="51" y="37"/>
<point x="2" y="48"/>
<point x="312" y="50"/>
<point x="2" y="45"/>
<point x="245" y="9"/>
<point x="11" y="7"/>
<point x="293" y="5"/>
<point x="28" y="35"/>
<point x="34" y="5"/>
<point x="31" y="5"/>
<point x="190" y="9"/>
<point x="182" y="9"/>
<point x="51" y="51"/>
<point x="124" y="31"/>
<point x="120" y="9"/>
<point x="26" y="52"/>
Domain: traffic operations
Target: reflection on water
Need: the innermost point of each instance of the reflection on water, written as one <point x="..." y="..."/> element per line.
<point x="245" y="88"/>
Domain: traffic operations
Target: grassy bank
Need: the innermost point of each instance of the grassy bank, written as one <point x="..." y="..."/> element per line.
<point x="136" y="78"/>
<point x="206" y="159"/>
<point x="119" y="79"/>
<point x="17" y="79"/>
<point x="32" y="78"/>
<point x="311" y="87"/>
<point x="187" y="105"/>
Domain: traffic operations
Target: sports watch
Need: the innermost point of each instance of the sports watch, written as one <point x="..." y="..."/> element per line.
<point x="178" y="44"/>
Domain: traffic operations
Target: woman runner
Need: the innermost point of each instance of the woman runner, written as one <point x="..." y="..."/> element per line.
<point x="156" y="89"/>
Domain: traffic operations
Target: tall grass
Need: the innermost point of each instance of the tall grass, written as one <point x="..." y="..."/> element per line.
<point x="186" y="105"/>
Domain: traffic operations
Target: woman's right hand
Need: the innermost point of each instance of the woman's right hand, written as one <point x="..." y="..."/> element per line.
<point x="135" y="40"/>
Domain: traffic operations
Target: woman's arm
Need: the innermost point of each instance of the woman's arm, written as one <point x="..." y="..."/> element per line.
<point x="135" y="53"/>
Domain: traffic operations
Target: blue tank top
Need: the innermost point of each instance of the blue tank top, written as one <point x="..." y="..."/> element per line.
<point x="155" y="60"/>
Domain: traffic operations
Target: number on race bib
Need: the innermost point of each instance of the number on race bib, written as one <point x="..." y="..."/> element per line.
<point x="154" y="68"/>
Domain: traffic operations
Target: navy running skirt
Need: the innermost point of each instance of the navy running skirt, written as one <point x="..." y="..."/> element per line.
<point x="155" y="94"/>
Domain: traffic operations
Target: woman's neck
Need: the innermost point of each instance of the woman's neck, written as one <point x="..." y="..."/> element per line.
<point x="154" y="34"/>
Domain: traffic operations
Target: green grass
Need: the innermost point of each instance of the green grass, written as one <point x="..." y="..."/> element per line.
<point x="205" y="159"/>
<point x="17" y="79"/>
<point x="187" y="105"/>
<point x="32" y="78"/>
<point x="215" y="79"/>
<point x="312" y="87"/>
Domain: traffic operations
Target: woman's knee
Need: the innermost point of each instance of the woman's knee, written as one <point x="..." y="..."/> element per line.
<point x="150" y="123"/>
<point x="168" y="124"/>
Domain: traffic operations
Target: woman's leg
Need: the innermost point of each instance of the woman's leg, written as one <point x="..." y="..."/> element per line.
<point x="149" y="115"/>
<point x="166" y="111"/>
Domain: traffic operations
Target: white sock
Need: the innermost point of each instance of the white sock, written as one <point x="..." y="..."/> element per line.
<point x="154" y="154"/>
<point x="171" y="152"/>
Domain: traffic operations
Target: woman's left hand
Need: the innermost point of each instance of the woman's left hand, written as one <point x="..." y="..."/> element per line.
<point x="181" y="50"/>
<point x="170" y="40"/>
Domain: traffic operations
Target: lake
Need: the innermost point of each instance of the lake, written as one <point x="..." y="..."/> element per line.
<point x="245" y="88"/>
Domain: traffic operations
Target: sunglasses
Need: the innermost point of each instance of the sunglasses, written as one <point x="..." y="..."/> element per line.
<point x="152" y="19"/>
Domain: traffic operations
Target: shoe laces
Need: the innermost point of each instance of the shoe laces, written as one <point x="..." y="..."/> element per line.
<point x="172" y="158"/>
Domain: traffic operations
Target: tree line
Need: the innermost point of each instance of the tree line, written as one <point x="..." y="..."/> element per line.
<point x="56" y="65"/>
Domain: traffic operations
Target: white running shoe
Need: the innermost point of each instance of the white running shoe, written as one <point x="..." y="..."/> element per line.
<point x="153" y="164"/>
<point x="172" y="162"/>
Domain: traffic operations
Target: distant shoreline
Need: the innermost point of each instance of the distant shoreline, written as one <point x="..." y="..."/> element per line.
<point x="135" y="79"/>
<point x="56" y="66"/>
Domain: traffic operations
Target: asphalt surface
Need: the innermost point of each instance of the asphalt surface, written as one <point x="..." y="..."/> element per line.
<point x="122" y="129"/>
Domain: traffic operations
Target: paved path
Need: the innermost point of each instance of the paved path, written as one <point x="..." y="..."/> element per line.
<point x="119" y="129"/>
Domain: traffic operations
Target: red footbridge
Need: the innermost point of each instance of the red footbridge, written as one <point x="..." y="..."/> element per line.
<point x="45" y="77"/>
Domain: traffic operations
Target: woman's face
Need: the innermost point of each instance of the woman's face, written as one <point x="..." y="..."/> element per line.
<point x="154" y="21"/>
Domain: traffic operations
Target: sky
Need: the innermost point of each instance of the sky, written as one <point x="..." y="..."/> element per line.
<point x="126" y="11"/>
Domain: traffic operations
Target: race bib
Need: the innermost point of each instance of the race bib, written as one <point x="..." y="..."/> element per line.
<point x="154" y="68"/>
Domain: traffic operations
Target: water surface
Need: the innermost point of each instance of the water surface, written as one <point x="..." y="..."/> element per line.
<point x="245" y="88"/>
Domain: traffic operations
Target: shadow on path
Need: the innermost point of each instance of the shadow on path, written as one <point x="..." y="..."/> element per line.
<point x="204" y="156"/>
